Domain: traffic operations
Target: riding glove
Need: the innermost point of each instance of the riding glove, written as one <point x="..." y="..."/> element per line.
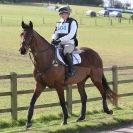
<point x="56" y="42"/>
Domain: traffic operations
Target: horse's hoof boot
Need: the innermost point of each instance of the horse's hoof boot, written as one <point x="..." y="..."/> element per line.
<point x="28" y="125"/>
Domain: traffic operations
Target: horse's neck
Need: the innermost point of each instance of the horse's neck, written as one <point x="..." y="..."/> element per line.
<point x="41" y="43"/>
<point x="42" y="52"/>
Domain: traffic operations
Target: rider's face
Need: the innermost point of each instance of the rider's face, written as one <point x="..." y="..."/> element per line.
<point x="64" y="15"/>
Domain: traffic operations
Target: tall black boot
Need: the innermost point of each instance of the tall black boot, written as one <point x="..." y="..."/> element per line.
<point x="71" y="71"/>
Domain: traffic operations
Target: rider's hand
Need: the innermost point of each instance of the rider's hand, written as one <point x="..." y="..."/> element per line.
<point x="56" y="42"/>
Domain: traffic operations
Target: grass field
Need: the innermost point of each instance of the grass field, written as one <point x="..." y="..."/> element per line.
<point x="113" y="43"/>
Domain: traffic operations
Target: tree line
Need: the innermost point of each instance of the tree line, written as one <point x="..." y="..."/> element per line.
<point x="92" y="2"/>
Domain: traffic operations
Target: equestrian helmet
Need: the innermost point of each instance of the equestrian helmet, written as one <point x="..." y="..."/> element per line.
<point x="64" y="9"/>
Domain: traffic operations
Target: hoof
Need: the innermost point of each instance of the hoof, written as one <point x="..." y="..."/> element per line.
<point x="28" y="125"/>
<point x="109" y="112"/>
<point x="81" y="118"/>
<point x="64" y="123"/>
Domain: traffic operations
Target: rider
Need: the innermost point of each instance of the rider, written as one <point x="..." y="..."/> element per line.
<point x="65" y="34"/>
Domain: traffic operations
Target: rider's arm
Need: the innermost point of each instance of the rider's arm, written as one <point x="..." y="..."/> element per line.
<point x="73" y="30"/>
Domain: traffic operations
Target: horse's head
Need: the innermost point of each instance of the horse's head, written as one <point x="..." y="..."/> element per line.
<point x="26" y="36"/>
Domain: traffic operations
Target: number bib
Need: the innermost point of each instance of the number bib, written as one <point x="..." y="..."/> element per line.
<point x="62" y="28"/>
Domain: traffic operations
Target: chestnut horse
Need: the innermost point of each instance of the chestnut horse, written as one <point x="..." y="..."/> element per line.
<point x="46" y="74"/>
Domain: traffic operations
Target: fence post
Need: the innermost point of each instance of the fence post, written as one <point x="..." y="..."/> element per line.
<point x="69" y="98"/>
<point x="81" y="22"/>
<point x="13" y="95"/>
<point x="111" y="23"/>
<point x="1" y="19"/>
<point x="115" y="82"/>
<point x="119" y="19"/>
<point x="95" y="21"/>
<point x="43" y="20"/>
<point x="129" y="20"/>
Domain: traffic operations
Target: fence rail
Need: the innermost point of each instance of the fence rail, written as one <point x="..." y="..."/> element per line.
<point x="4" y="20"/>
<point x="14" y="93"/>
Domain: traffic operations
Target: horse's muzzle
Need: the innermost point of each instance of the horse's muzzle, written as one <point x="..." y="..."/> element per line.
<point x="22" y="51"/>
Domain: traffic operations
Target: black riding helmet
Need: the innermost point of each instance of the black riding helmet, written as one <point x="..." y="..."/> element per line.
<point x="64" y="9"/>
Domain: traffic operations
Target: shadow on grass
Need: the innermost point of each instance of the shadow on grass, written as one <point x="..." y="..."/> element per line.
<point x="91" y="126"/>
<point x="48" y="118"/>
<point x="95" y="128"/>
<point x="22" y="122"/>
<point x="82" y="128"/>
<point x="89" y="113"/>
<point x="4" y="124"/>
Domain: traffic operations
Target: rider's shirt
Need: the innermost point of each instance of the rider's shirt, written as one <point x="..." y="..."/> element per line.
<point x="66" y="31"/>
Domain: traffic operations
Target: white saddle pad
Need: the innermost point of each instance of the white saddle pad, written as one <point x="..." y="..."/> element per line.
<point x="76" y="58"/>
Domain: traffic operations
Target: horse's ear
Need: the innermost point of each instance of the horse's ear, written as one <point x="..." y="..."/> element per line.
<point x="23" y="24"/>
<point x="31" y="24"/>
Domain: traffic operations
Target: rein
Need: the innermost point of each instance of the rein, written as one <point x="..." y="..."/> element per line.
<point x="42" y="51"/>
<point x="36" y="53"/>
<point x="33" y="61"/>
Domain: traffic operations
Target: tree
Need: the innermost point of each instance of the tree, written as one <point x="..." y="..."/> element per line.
<point x="118" y="4"/>
<point x="2" y="1"/>
<point x="93" y="2"/>
<point x="112" y="2"/>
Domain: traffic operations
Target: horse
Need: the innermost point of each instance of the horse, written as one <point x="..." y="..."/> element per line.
<point x="48" y="75"/>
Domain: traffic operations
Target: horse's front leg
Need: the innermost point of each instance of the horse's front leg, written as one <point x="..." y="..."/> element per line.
<point x="60" y="91"/>
<point x="39" y="88"/>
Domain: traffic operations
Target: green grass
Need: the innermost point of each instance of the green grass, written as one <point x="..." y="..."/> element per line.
<point x="95" y="121"/>
<point x="113" y="43"/>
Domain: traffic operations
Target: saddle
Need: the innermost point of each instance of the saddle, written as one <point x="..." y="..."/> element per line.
<point x="75" y="55"/>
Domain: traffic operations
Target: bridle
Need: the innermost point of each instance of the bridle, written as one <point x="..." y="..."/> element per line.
<point x="30" y="44"/>
<point x="27" y="45"/>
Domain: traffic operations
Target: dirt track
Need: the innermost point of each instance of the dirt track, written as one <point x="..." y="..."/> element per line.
<point x="128" y="129"/>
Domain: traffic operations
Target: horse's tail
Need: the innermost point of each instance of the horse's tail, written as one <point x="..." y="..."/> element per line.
<point x="112" y="96"/>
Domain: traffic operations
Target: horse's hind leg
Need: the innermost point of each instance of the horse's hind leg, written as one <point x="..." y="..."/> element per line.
<point x="96" y="77"/>
<point x="81" y="90"/>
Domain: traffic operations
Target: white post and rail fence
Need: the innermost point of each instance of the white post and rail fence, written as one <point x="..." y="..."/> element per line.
<point x="14" y="92"/>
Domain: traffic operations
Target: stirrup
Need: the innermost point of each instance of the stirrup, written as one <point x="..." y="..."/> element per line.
<point x="55" y="63"/>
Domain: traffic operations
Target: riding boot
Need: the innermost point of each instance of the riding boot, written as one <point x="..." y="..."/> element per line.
<point x="71" y="71"/>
